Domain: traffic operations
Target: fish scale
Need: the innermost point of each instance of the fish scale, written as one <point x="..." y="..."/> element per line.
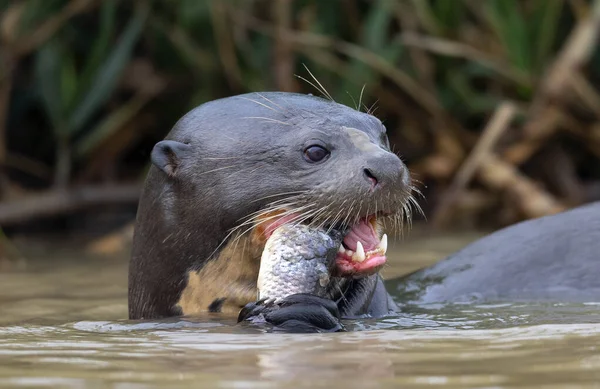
<point x="297" y="259"/>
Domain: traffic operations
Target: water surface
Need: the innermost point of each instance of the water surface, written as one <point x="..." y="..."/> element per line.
<point x="63" y="324"/>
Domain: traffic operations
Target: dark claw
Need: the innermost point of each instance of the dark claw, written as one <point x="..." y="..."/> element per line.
<point x="298" y="313"/>
<point x="252" y="310"/>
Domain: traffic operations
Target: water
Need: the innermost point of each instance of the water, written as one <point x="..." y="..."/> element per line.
<point x="62" y="324"/>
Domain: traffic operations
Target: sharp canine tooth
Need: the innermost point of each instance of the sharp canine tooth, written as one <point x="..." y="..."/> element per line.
<point x="341" y="250"/>
<point x="383" y="243"/>
<point x="359" y="255"/>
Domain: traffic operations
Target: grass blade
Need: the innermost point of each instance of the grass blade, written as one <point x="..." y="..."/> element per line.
<point x="108" y="75"/>
<point x="110" y="125"/>
<point x="545" y="25"/>
<point x="48" y="76"/>
<point x="101" y="44"/>
<point x="510" y="26"/>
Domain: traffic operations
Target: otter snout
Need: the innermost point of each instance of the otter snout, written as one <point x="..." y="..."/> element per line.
<point x="380" y="168"/>
<point x="386" y="170"/>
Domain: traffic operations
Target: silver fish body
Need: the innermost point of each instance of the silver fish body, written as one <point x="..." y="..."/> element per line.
<point x="297" y="259"/>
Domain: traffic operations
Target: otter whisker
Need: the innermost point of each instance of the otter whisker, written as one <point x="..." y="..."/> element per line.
<point x="321" y="217"/>
<point x="248" y="170"/>
<point x="344" y="222"/>
<point x="280" y="194"/>
<point x="361" y="96"/>
<point x="259" y="103"/>
<point x="326" y="218"/>
<point x="286" y="212"/>
<point x="386" y="222"/>
<point x="315" y="215"/>
<point x="342" y="293"/>
<point x="356" y="106"/>
<point x="270" y="101"/>
<point x="408" y="211"/>
<point x="332" y="225"/>
<point x="286" y="208"/>
<point x="358" y="213"/>
<point x="283" y="205"/>
<point x="303" y="217"/>
<point x="290" y="200"/>
<point x="314" y="86"/>
<point x="417" y="191"/>
<point x="322" y="212"/>
<point x="407" y="215"/>
<point x="416" y="205"/>
<point x="369" y="209"/>
<point x="237" y="228"/>
<point x="219" y="158"/>
<point x="243" y="248"/>
<point x="294" y="196"/>
<point x="220" y="244"/>
<point x="293" y="212"/>
<point x="373" y="111"/>
<point x="338" y="215"/>
<point x="395" y="219"/>
<point x="217" y="169"/>
<point x="252" y="224"/>
<point x="322" y="90"/>
<point x="370" y="111"/>
<point x="268" y="120"/>
<point x="235" y="245"/>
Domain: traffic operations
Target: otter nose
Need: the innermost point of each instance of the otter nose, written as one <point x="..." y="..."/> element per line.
<point x="370" y="176"/>
<point x="386" y="170"/>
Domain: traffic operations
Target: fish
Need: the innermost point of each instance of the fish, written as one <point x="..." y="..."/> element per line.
<point x="297" y="259"/>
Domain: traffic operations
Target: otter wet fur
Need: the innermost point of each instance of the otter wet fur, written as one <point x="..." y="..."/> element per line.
<point x="553" y="259"/>
<point x="233" y="170"/>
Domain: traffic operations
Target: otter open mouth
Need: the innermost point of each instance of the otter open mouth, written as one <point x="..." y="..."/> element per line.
<point x="362" y="251"/>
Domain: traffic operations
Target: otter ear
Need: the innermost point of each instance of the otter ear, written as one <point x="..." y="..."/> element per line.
<point x="167" y="155"/>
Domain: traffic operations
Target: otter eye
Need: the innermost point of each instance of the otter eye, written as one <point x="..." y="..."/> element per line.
<point x="316" y="153"/>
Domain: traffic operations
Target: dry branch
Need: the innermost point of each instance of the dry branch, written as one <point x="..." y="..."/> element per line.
<point x="497" y="126"/>
<point x="531" y="200"/>
<point x="55" y="202"/>
<point x="556" y="87"/>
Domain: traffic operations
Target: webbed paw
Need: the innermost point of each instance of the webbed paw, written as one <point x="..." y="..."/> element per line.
<point x="298" y="313"/>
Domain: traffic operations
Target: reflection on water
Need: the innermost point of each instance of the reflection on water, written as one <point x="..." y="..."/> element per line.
<point x="62" y="325"/>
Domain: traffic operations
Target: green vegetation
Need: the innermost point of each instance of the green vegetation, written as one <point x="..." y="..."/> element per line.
<point x="88" y="86"/>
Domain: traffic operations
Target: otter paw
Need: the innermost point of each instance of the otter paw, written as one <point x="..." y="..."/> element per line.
<point x="298" y="313"/>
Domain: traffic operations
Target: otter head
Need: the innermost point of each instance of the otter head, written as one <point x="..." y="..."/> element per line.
<point x="246" y="164"/>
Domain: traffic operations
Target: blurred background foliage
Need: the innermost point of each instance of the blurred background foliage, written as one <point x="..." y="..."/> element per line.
<point x="493" y="104"/>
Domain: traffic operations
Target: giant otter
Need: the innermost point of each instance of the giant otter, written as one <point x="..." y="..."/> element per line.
<point x="553" y="258"/>
<point x="233" y="169"/>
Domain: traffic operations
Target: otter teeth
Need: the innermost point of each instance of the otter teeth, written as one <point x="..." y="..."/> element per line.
<point x="383" y="243"/>
<point x="359" y="255"/>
